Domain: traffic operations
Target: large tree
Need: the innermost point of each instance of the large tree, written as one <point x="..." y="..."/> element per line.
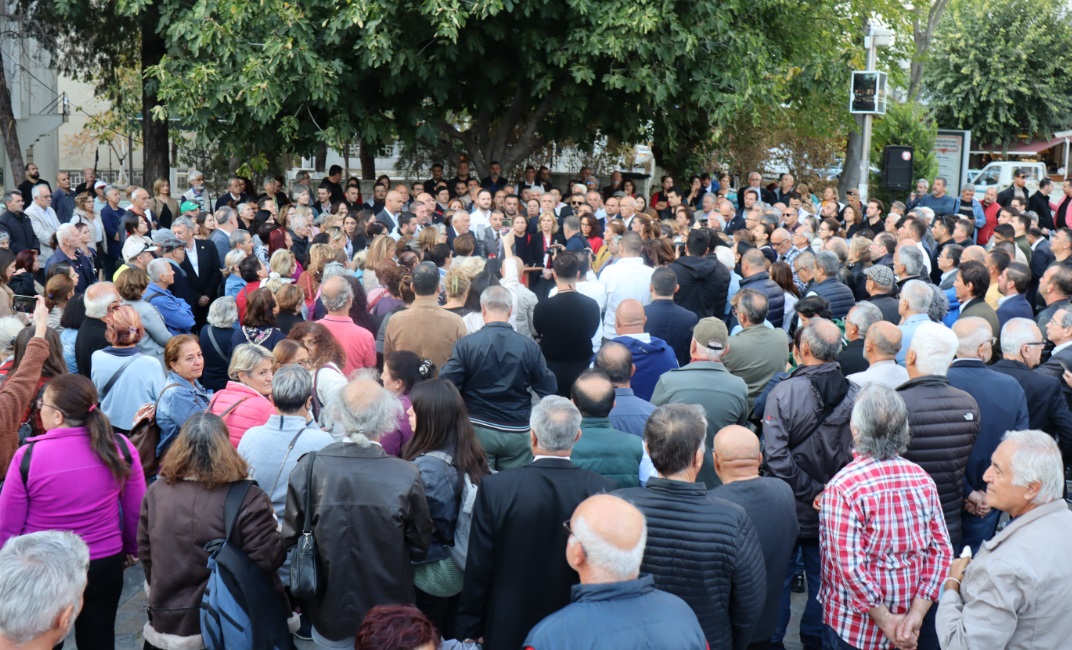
<point x="1002" y="68"/>
<point x="498" y="78"/>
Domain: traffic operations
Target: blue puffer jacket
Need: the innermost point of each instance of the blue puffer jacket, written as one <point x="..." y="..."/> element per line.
<point x="837" y="294"/>
<point x="621" y="615"/>
<point x="775" y="295"/>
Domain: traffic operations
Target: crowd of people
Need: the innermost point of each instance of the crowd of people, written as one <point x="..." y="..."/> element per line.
<point x="515" y="415"/>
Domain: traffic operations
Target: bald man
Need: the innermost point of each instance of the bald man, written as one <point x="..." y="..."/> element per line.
<point x="881" y="345"/>
<point x="769" y="503"/>
<point x="603" y="449"/>
<point x="973" y="254"/>
<point x="614" y="607"/>
<point x="392" y="208"/>
<point x="652" y="356"/>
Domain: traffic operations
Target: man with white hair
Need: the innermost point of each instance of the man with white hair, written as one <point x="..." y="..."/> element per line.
<point x="516" y="572"/>
<point x="495" y="368"/>
<point x="202" y="266"/>
<point x="885" y="547"/>
<point x="226" y="223"/>
<point x="1021" y="348"/>
<point x="944" y="423"/>
<point x="857" y="323"/>
<point x="197" y="192"/>
<point x="178" y="317"/>
<point x="915" y="301"/>
<point x="614" y="606"/>
<point x="43" y="217"/>
<point x="43" y="576"/>
<point x="69" y="251"/>
<point x="688" y="526"/>
<point x="100" y="299"/>
<point x="1014" y="593"/>
<point x="355" y="485"/>
<point x="908" y="263"/>
<point x="1002" y="407"/>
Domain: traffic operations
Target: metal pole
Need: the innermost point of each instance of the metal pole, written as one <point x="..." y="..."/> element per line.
<point x="865" y="159"/>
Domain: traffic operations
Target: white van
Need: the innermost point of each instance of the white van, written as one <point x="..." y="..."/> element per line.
<point x="999" y="174"/>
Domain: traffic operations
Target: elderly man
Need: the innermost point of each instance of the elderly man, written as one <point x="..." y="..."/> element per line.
<point x="881" y="345"/>
<point x="409" y="329"/>
<point x="354" y="485"/>
<point x="914" y="305"/>
<point x="806" y="439"/>
<point x="857" y="324"/>
<point x="495" y="368"/>
<point x="226" y="224"/>
<point x="178" y="317"/>
<point x="44" y="576"/>
<point x="652" y="356"/>
<point x="757" y="352"/>
<point x="627" y="279"/>
<point x="908" y="264"/>
<point x="1021" y="347"/>
<point x="603" y="449"/>
<point x="825" y="266"/>
<point x="197" y="192"/>
<point x="515" y="571"/>
<point x="43" y="218"/>
<point x="1014" y="592"/>
<point x="614" y="606"/>
<point x="202" y="266"/>
<point x="687" y="526"/>
<point x="881" y="288"/>
<point x="69" y="251"/>
<point x="630" y="412"/>
<point x="707" y="383"/>
<point x="137" y="254"/>
<point x="770" y="506"/>
<point x="944" y="420"/>
<point x="100" y="299"/>
<point x="358" y="343"/>
<point x="1002" y="407"/>
<point x="885" y="547"/>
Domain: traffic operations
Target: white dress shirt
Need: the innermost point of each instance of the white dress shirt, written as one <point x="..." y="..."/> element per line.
<point x="628" y="278"/>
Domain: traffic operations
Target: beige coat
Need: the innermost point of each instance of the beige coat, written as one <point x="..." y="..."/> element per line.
<point x="1015" y="593"/>
<point x="425" y="329"/>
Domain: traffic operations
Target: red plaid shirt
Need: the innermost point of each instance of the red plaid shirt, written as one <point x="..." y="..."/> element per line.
<point x="883" y="540"/>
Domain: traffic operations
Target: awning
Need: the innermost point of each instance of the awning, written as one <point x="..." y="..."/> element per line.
<point x="1026" y="149"/>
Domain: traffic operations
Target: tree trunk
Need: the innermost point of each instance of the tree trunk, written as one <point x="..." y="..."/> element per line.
<point x="368" y="161"/>
<point x="7" y="127"/>
<point x="156" y="163"/>
<point x="321" y="157"/>
<point x="850" y="173"/>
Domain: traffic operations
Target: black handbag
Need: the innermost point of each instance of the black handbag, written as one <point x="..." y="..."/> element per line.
<point x="305" y="577"/>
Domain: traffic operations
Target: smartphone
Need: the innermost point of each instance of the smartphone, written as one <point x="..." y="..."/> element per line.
<point x="25" y="304"/>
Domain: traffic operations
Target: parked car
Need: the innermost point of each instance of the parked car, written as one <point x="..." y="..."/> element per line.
<point x="999" y="174"/>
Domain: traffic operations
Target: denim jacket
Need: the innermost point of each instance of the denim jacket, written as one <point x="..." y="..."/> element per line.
<point x="176" y="405"/>
<point x="441" y="490"/>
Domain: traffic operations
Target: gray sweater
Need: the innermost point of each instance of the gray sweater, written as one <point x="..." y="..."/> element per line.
<point x="139" y="384"/>
<point x="265" y="447"/>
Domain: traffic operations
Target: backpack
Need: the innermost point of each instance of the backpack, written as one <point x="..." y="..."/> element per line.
<point x="240" y="609"/>
<point x="464" y="521"/>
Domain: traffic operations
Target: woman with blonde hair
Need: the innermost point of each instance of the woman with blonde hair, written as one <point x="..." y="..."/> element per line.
<point x="163" y="206"/>
<point x="234" y="282"/>
<point x="858" y="260"/>
<point x="611" y="235"/>
<point x="244" y="402"/>
<point x="309" y="282"/>
<point x="126" y="379"/>
<point x="291" y="301"/>
<point x="427" y="239"/>
<point x="381" y="248"/>
<point x="644" y="225"/>
<point x="83" y="213"/>
<point x="456" y="288"/>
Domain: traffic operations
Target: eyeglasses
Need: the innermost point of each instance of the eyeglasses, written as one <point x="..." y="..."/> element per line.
<point x="1036" y="343"/>
<point x="576" y="203"/>
<point x="788" y="214"/>
<point x="42" y="403"/>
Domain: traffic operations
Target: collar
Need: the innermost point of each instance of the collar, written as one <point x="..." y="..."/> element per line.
<point x="949" y="273"/>
<point x="623" y="392"/>
<point x="613" y="590"/>
<point x="1058" y="348"/>
<point x="665" y="485"/>
<point x="1045" y="510"/>
<point x="122" y="352"/>
<point x="916" y="318"/>
<point x="61" y="432"/>
<point x="596" y="423"/>
<point x="969" y="363"/>
<point x="543" y="457"/>
<point x="1004" y="299"/>
<point x="643" y="337"/>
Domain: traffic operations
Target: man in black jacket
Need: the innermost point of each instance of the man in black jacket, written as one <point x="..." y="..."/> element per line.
<point x="494" y="368"/>
<point x="754" y="275"/>
<point x="516" y="572"/>
<point x="703" y="281"/>
<point x="881" y="289"/>
<point x="17" y="225"/>
<point x="1039" y="203"/>
<point x="202" y="266"/>
<point x="1021" y="349"/>
<point x="700" y="548"/>
<point x="666" y="319"/>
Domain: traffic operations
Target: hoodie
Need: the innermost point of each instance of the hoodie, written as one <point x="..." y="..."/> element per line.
<point x="704" y="283"/>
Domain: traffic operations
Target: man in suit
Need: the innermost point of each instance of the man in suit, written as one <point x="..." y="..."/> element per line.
<point x="392" y="207"/>
<point x="857" y="323"/>
<point x="1059" y="334"/>
<point x="970" y="286"/>
<point x="1021" y="349"/>
<point x="202" y="267"/>
<point x="1002" y="407"/>
<point x="755" y="183"/>
<point x="516" y="573"/>
<point x="666" y="319"/>
<point x="1013" y="283"/>
<point x="1039" y="203"/>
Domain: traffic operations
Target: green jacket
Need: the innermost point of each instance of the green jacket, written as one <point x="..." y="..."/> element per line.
<point x="608" y="452"/>
<point x="756" y="354"/>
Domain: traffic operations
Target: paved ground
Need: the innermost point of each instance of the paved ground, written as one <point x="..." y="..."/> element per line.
<point x="131" y="617"/>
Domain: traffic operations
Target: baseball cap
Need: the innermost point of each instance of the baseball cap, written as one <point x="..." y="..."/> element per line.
<point x="134" y="247"/>
<point x="99" y="184"/>
<point x="881" y="274"/>
<point x="711" y="333"/>
<point x="189" y="206"/>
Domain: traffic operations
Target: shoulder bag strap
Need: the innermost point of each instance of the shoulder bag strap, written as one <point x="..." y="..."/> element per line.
<point x="307" y="518"/>
<point x="316" y="397"/>
<point x="232" y="507"/>
<point x="215" y="344"/>
<point x="232" y="407"/>
<point x="115" y="377"/>
<point x="290" y="448"/>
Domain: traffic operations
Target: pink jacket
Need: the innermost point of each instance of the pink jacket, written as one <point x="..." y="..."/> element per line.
<point x="252" y="412"/>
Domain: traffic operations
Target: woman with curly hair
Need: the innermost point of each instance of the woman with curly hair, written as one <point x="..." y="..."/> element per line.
<point x="326" y="360"/>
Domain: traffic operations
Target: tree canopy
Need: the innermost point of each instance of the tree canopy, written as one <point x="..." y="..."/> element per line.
<point x="1002" y="68"/>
